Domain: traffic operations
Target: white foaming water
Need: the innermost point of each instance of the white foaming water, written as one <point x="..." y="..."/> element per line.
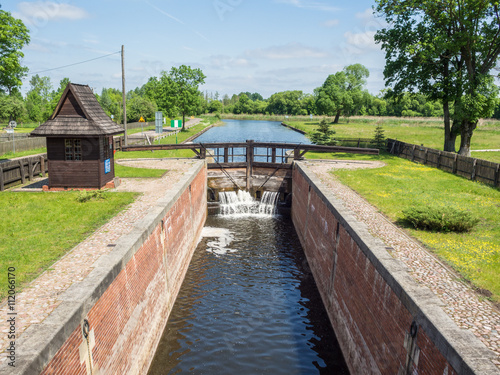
<point x="223" y="238"/>
<point x="243" y="204"/>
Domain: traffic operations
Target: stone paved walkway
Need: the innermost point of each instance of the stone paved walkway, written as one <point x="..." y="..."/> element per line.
<point x="465" y="307"/>
<point x="39" y="298"/>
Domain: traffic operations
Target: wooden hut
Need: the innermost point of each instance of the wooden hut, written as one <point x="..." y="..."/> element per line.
<point x="79" y="141"/>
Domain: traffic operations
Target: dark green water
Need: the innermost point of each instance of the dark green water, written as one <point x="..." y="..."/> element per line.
<point x="248" y="305"/>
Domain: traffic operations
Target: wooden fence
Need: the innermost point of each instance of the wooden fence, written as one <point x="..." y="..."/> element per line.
<point x="15" y="172"/>
<point x="8" y="137"/>
<point x="471" y="168"/>
<point x="135" y="125"/>
<point x="24" y="144"/>
<point x="356" y="142"/>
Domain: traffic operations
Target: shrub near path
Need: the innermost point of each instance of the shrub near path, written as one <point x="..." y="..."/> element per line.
<point x="402" y="184"/>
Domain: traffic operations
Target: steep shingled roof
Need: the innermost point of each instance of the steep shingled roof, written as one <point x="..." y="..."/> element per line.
<point x="78" y="114"/>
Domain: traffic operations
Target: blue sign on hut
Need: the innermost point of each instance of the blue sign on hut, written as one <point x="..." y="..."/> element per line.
<point x="79" y="141"/>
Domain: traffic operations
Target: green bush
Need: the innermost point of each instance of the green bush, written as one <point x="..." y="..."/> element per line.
<point x="440" y="219"/>
<point x="85" y="196"/>
<point x="323" y="135"/>
<point x="379" y="137"/>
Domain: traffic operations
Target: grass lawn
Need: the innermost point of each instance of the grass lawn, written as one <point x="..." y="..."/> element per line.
<point x="429" y="132"/>
<point x="131" y="172"/>
<point x="10" y="155"/>
<point x="493" y="156"/>
<point x="140" y="130"/>
<point x="402" y="184"/>
<point x="42" y="227"/>
<point x="22" y="130"/>
<point x="181" y="136"/>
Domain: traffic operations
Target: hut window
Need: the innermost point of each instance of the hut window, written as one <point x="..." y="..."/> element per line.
<point x="73" y="149"/>
<point x="107" y="146"/>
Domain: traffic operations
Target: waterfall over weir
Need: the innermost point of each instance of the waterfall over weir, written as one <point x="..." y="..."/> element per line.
<point x="243" y="204"/>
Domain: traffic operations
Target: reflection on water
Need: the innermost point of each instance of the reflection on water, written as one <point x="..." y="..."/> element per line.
<point x="248" y="305"/>
<point x="259" y="131"/>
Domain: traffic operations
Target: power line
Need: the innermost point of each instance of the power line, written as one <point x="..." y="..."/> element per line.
<point x="81" y="62"/>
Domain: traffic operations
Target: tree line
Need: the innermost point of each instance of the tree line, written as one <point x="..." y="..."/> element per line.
<point x="333" y="98"/>
<point x="440" y="61"/>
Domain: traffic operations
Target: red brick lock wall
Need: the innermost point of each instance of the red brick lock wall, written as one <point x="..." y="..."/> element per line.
<point x="370" y="320"/>
<point x="128" y="319"/>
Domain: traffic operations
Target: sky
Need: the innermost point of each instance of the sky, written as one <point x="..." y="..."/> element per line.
<point x="263" y="46"/>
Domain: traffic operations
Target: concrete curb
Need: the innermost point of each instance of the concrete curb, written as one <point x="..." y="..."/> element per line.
<point x="466" y="353"/>
<point x="40" y="342"/>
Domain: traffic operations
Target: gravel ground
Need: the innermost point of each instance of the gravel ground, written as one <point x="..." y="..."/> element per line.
<point x="464" y="306"/>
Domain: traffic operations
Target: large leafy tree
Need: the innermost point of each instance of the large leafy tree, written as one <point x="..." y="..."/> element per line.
<point x="417" y="59"/>
<point x="446" y="49"/>
<point x="243" y="105"/>
<point x="111" y="101"/>
<point x="13" y="37"/>
<point x="140" y="106"/>
<point x="163" y="91"/>
<point x="286" y="103"/>
<point x="342" y="92"/>
<point x="176" y="92"/>
<point x="38" y="98"/>
<point x="215" y="106"/>
<point x="184" y="91"/>
<point x="56" y="95"/>
<point x="12" y="106"/>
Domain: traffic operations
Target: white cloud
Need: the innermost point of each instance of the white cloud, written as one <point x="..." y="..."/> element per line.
<point x="307" y="4"/>
<point x="227" y="62"/>
<point x="37" y="47"/>
<point x="144" y="69"/>
<point x="331" y="23"/>
<point x="43" y="11"/>
<point x="287" y="51"/>
<point x="366" y="15"/>
<point x="301" y="71"/>
<point x="46" y="45"/>
<point x="362" y="40"/>
<point x="90" y="38"/>
<point x="371" y="20"/>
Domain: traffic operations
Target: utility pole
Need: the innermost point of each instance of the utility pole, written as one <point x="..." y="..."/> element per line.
<point x="123" y="94"/>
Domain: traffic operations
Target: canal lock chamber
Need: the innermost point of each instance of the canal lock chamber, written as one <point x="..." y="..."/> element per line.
<point x="249" y="303"/>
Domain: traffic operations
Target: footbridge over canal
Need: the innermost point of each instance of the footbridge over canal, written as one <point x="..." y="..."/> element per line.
<point x="251" y="166"/>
